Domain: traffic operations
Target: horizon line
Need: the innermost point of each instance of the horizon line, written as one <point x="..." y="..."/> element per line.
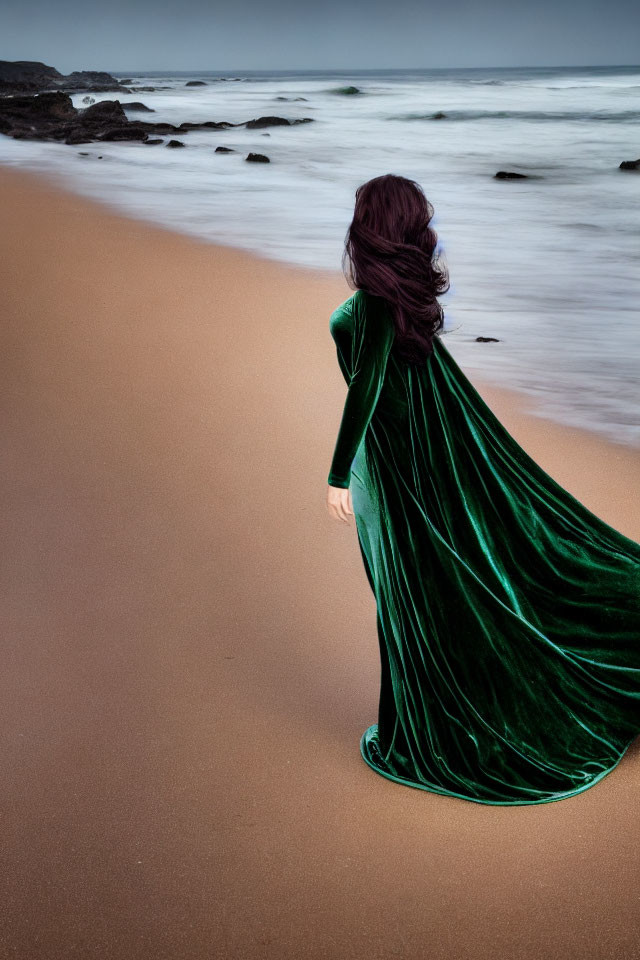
<point x="546" y="66"/>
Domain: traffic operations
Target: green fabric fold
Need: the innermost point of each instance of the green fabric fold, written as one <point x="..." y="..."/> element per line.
<point x="508" y="614"/>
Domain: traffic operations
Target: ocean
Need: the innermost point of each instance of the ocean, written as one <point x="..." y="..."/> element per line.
<point x="549" y="265"/>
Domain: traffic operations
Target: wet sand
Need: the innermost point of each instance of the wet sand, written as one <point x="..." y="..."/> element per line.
<point x="189" y="645"/>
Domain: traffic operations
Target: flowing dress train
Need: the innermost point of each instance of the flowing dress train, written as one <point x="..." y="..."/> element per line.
<point x="508" y="614"/>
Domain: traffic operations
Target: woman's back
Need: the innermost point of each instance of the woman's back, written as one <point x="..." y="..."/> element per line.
<point x="508" y="614"/>
<point x="464" y="539"/>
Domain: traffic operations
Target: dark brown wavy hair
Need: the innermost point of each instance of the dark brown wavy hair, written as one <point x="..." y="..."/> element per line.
<point x="390" y="252"/>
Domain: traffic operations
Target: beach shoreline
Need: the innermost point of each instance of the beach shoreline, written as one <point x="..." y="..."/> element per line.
<point x="520" y="254"/>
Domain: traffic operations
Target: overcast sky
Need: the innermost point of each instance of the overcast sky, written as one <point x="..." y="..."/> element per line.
<point x="129" y="35"/>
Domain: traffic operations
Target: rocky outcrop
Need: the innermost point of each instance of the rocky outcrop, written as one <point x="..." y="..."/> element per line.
<point x="510" y="175"/>
<point x="52" y="116"/>
<point x="32" y="76"/>
<point x="36" y="117"/>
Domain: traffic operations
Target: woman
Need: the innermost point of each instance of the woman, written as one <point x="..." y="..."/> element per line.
<point x="508" y="614"/>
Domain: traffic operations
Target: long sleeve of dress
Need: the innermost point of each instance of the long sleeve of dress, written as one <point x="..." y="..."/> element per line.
<point x="373" y="334"/>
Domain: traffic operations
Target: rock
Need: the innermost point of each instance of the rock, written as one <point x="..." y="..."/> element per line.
<point x="32" y="76"/>
<point x="175" y="143"/>
<point x="510" y="175"/>
<point x="96" y="80"/>
<point x="52" y="116"/>
<point x="347" y="91"/>
<point x="153" y="140"/>
<point x="210" y="124"/>
<point x="103" y="110"/>
<point x="27" y="76"/>
<point x="267" y="122"/>
<point x="137" y="105"/>
<point x="630" y="165"/>
<point x="76" y="136"/>
<point x="224" y="150"/>
<point x="487" y="339"/>
<point x="439" y="116"/>
<point x="25" y="70"/>
<point x="274" y="122"/>
<point x="105" y="120"/>
<point x="258" y="158"/>
<point x="195" y="83"/>
<point x="34" y="118"/>
<point x="88" y="100"/>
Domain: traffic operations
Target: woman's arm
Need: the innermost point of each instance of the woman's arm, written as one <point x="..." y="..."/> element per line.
<point x="373" y="334"/>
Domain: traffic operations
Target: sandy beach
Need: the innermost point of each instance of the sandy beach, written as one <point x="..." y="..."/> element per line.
<point x="189" y="644"/>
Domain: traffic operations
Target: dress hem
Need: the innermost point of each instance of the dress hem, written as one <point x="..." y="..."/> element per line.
<point x="371" y="732"/>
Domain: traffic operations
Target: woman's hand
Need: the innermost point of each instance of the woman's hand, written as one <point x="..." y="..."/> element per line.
<point x="339" y="503"/>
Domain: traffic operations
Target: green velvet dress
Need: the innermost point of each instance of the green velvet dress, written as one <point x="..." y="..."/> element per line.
<point x="508" y="614"/>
